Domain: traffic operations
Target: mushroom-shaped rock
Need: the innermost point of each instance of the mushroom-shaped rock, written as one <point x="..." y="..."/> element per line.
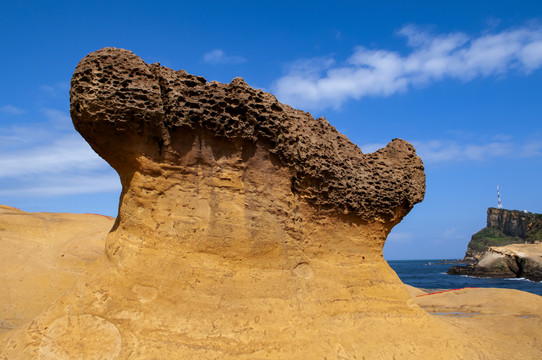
<point x="128" y="110"/>
<point x="246" y="229"/>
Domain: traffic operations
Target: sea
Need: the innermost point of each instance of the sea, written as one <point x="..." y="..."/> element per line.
<point x="431" y="274"/>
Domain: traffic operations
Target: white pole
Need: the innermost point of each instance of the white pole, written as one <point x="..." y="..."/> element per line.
<point x="499" y="202"/>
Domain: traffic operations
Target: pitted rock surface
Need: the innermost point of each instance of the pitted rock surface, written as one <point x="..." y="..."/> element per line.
<point x="118" y="100"/>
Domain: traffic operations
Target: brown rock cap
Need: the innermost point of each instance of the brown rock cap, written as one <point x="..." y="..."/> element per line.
<point x="126" y="108"/>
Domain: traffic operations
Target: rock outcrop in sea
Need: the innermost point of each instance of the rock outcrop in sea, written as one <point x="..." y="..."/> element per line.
<point x="508" y="247"/>
<point x="246" y="230"/>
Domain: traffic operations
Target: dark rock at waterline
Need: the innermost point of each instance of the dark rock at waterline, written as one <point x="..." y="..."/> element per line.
<point x="511" y="261"/>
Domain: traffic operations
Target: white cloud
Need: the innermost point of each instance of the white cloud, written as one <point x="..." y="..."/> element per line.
<point x="451" y="233"/>
<point x="69" y="153"/>
<point x="436" y="151"/>
<point x="56" y="90"/>
<point x="311" y="67"/>
<point x="379" y="72"/>
<point x="58" y="118"/>
<point x="36" y="162"/>
<point x="16" y="136"/>
<point x="370" y="148"/>
<point x="400" y="238"/>
<point x="531" y="148"/>
<point x="44" y="156"/>
<point x="440" y="151"/>
<point x="64" y="184"/>
<point x="13" y="110"/>
<point x="218" y="56"/>
<point x="448" y="235"/>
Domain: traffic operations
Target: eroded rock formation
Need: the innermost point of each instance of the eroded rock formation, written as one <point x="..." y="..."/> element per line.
<point x="246" y="230"/>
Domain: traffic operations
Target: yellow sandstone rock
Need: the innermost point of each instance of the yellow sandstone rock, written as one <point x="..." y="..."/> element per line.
<point x="508" y="322"/>
<point x="42" y="256"/>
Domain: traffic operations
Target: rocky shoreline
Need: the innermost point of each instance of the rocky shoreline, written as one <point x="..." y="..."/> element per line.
<point x="511" y="261"/>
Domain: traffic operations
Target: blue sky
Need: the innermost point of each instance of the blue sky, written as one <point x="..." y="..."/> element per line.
<point x="460" y="80"/>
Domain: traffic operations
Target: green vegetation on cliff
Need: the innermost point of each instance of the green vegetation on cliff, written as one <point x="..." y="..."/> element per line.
<point x="491" y="237"/>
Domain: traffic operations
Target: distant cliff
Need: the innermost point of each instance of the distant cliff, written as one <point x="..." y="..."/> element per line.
<point x="505" y="227"/>
<point x="509" y="246"/>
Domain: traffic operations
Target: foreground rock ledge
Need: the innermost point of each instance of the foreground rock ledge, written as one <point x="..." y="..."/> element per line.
<point x="246" y="230"/>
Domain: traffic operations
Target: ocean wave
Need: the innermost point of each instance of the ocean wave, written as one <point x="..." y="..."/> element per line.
<point x="496" y="278"/>
<point x="522" y="279"/>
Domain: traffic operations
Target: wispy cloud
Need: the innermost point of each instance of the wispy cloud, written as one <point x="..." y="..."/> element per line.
<point x="451" y="233"/>
<point x="369" y="148"/>
<point x="435" y="151"/>
<point x="42" y="155"/>
<point x="67" y="154"/>
<point x="56" y="90"/>
<point x="400" y="237"/>
<point x="40" y="162"/>
<point x="440" y="151"/>
<point x="58" y="118"/>
<point x="432" y="57"/>
<point x="218" y="56"/>
<point x="443" y="151"/>
<point x="13" y="110"/>
<point x="531" y="148"/>
<point x="70" y="184"/>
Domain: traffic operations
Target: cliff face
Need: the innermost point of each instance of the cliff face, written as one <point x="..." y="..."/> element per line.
<point x="515" y="223"/>
<point x="246" y="230"/>
<point x="505" y="227"/>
